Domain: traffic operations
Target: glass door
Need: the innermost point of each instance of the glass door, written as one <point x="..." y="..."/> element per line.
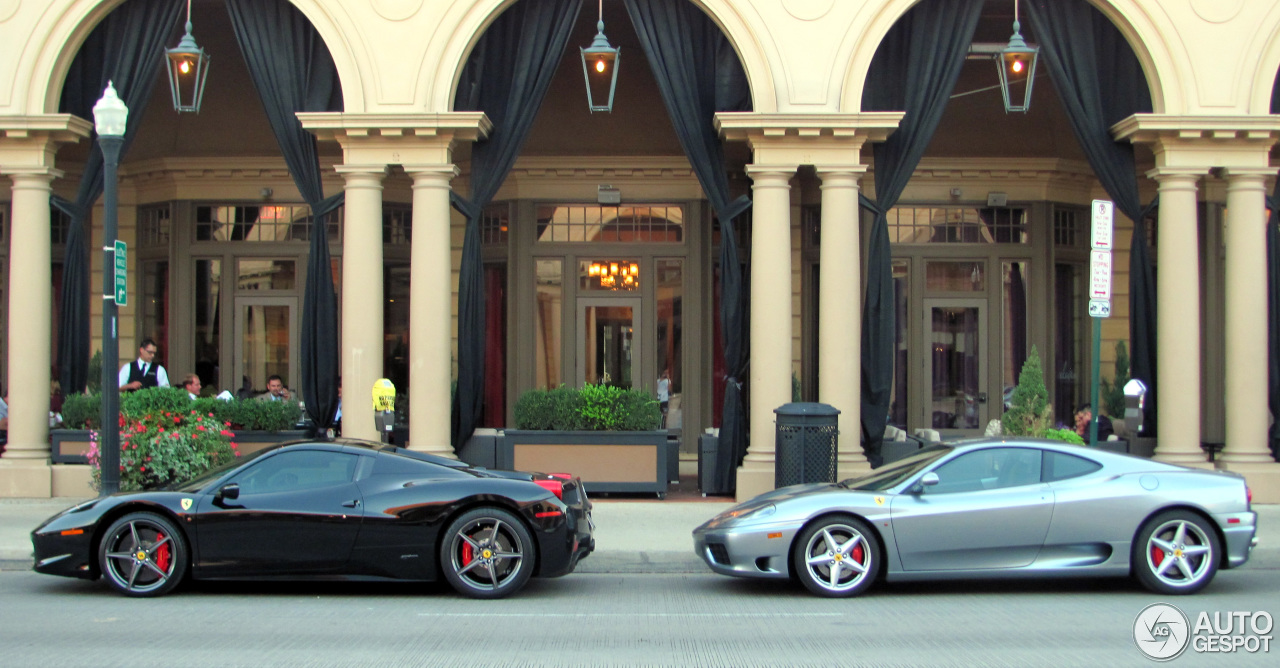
<point x="955" y="333"/>
<point x="608" y="349"/>
<point x="267" y="341"/>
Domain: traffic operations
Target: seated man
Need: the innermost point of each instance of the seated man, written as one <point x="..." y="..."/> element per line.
<point x="1084" y="416"/>
<point x="276" y="391"/>
<point x="191" y="383"/>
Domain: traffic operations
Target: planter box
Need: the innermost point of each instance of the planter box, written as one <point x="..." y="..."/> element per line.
<point x="69" y="446"/>
<point x="249" y="441"/>
<point x="607" y="461"/>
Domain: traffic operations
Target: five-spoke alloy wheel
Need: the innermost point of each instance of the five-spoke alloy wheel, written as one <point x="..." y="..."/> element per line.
<point x="143" y="554"/>
<point x="837" y="556"/>
<point x="1176" y="553"/>
<point x="487" y="553"/>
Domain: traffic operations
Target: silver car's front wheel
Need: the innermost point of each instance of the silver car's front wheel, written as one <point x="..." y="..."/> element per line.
<point x="1176" y="553"/>
<point x="837" y="556"/>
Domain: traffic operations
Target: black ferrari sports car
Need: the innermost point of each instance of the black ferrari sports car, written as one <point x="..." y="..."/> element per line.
<point x="327" y="509"/>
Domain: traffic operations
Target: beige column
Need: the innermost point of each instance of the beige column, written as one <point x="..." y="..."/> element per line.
<point x="24" y="469"/>
<point x="770" y="374"/>
<point x="362" y="327"/>
<point x="840" y="312"/>
<point x="1178" y="320"/>
<point x="430" y="315"/>
<point x="1246" y="318"/>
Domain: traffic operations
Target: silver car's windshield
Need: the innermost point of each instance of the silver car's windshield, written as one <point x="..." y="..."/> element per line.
<point x="889" y="475"/>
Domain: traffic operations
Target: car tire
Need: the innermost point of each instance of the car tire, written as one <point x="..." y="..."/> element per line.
<point x="487" y="553"/>
<point x="837" y="556"/>
<point x="143" y="554"/>
<point x="1176" y="552"/>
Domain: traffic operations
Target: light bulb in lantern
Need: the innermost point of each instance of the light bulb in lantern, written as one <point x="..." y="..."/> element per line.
<point x="600" y="65"/>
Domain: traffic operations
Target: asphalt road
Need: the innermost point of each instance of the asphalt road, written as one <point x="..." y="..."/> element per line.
<point x="602" y="619"/>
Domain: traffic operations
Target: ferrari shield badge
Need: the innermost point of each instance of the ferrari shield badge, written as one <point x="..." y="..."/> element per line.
<point x="186" y="504"/>
<point x="879" y="500"/>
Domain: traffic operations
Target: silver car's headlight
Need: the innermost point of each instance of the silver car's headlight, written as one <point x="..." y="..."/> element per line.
<point x="740" y="515"/>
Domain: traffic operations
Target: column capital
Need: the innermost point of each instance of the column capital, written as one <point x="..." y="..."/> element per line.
<point x="843" y="176"/>
<point x="1234" y="174"/>
<point x="1174" y="176"/>
<point x="1203" y="141"/>
<point x="771" y="174"/>
<point x="428" y="173"/>
<point x="362" y="176"/>
<point x="33" y="174"/>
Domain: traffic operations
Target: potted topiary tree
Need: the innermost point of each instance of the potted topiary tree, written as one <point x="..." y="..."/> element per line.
<point x="1029" y="412"/>
<point x="609" y="436"/>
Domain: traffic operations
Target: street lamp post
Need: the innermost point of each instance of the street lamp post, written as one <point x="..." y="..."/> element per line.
<point x="110" y="115"/>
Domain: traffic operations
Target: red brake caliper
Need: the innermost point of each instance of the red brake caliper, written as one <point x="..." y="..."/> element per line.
<point x="858" y="554"/>
<point x="1157" y="555"/>
<point x="467" y="555"/>
<point x="162" y="554"/>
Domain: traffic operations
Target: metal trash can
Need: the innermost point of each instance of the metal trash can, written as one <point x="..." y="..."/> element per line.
<point x="807" y="434"/>
<point x="709" y="479"/>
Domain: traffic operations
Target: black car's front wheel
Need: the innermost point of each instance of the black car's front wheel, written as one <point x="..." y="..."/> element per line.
<point x="837" y="556"/>
<point x="1176" y="553"/>
<point x="487" y="553"/>
<point x="143" y="554"/>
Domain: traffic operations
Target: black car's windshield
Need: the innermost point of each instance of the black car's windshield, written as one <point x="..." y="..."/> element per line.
<point x="198" y="483"/>
<point x="891" y="474"/>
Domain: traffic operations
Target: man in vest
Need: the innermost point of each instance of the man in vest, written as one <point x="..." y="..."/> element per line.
<point x="143" y="372"/>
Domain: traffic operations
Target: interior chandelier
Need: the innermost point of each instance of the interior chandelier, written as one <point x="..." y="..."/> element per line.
<point x="615" y="275"/>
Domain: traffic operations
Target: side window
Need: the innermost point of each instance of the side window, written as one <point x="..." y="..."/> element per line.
<point x="1059" y="466"/>
<point x="298" y="470"/>
<point x="993" y="468"/>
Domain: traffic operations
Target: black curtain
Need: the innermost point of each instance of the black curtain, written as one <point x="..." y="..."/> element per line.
<point x="698" y="74"/>
<point x="1100" y="82"/>
<point x="293" y="71"/>
<point x="506" y="77"/>
<point x="1273" y="298"/>
<point x="914" y="70"/>
<point x="124" y="49"/>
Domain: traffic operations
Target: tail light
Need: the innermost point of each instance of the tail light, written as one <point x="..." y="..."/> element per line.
<point x="1248" y="498"/>
<point x="554" y="486"/>
<point x="562" y="476"/>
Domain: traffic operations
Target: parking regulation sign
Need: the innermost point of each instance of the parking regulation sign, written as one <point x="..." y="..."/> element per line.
<point x="1100" y="274"/>
<point x="1100" y="308"/>
<point x="1102" y="219"/>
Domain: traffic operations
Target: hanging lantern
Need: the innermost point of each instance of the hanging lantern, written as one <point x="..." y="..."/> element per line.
<point x="1017" y="64"/>
<point x="600" y="68"/>
<point x="188" y="68"/>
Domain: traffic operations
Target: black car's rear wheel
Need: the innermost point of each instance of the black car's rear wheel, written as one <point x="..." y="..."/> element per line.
<point x="487" y="553"/>
<point x="1176" y="552"/>
<point x="837" y="556"/>
<point x="143" y="554"/>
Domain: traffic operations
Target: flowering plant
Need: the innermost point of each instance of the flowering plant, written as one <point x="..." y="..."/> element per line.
<point x="161" y="448"/>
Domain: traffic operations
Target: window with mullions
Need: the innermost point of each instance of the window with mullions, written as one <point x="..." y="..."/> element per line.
<point x="397" y="224"/>
<point x="495" y="224"/>
<point x="273" y="223"/>
<point x="1067" y="232"/>
<point x="958" y="225"/>
<point x="596" y="224"/>
<point x="153" y="227"/>
<point x="59" y="226"/>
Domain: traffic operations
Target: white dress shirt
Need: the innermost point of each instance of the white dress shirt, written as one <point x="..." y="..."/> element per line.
<point x="162" y="378"/>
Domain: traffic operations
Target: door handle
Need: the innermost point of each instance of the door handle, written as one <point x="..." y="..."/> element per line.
<point x="982" y="397"/>
<point x="351" y="504"/>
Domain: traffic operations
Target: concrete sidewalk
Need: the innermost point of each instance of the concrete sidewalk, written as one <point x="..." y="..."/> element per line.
<point x="632" y="536"/>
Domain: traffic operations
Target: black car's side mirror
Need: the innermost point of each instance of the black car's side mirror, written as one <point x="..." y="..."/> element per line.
<point x="229" y="492"/>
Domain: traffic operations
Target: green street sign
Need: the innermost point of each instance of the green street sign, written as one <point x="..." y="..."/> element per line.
<point x="122" y="265"/>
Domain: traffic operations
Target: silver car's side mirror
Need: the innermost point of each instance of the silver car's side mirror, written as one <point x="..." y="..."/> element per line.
<point x="927" y="480"/>
<point x="1135" y="396"/>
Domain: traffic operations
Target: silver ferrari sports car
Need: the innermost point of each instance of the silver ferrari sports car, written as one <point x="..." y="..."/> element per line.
<point x="992" y="508"/>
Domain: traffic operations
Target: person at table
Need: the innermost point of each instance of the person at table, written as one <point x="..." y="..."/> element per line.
<point x="191" y="382"/>
<point x="276" y="391"/>
<point x="143" y="372"/>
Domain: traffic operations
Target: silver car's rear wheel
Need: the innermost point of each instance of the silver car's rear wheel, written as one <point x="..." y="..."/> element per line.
<point x="1176" y="553"/>
<point x="837" y="556"/>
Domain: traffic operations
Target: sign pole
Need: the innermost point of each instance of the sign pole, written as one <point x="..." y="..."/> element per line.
<point x="1099" y="297"/>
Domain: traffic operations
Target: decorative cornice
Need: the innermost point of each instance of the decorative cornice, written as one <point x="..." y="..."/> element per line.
<point x="1152" y="127"/>
<point x="876" y="125"/>
<point x="60" y="127"/>
<point x="464" y="125"/>
<point x="634" y="168"/>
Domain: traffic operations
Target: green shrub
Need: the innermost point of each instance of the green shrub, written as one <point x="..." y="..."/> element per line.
<point x="94" y="380"/>
<point x="260" y="415"/>
<point x="82" y="411"/>
<point x="1029" y="413"/>
<point x="1064" y="435"/>
<point x="154" y="401"/>
<point x="593" y="408"/>
<point x="1112" y="391"/>
<point x="158" y="449"/>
